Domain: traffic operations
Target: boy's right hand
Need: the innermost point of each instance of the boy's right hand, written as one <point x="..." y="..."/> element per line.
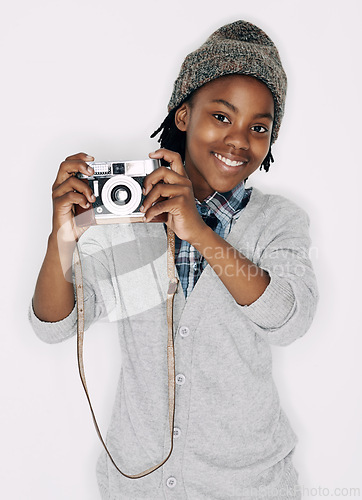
<point x="68" y="191"/>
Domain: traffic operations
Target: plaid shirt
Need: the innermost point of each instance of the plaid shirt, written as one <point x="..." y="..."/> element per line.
<point x="219" y="211"/>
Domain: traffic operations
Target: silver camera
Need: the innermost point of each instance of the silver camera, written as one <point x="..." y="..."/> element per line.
<point x="117" y="186"/>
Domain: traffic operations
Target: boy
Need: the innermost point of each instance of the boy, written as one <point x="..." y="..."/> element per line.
<point x="247" y="282"/>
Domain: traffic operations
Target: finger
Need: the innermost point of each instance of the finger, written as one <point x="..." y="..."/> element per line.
<point x="70" y="167"/>
<point x="80" y="156"/>
<point x="65" y="203"/>
<point x="163" y="175"/>
<point x="170" y="205"/>
<point x="161" y="191"/>
<point x="174" y="159"/>
<point x="74" y="184"/>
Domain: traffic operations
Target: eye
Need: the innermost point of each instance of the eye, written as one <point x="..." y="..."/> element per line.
<point x="221" y="118"/>
<point x="260" y="129"/>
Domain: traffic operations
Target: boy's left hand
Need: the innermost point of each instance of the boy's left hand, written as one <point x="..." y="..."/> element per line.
<point x="174" y="189"/>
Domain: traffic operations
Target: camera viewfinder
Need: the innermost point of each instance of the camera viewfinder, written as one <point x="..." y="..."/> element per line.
<point x="118" y="168"/>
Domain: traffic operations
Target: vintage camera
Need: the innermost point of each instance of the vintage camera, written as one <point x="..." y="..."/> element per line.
<point x="117" y="186"/>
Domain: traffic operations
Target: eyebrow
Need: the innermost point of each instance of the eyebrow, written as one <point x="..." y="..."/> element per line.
<point x="265" y="115"/>
<point x="227" y="104"/>
<point x="235" y="109"/>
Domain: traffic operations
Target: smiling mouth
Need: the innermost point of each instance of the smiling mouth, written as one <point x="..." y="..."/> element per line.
<point x="229" y="163"/>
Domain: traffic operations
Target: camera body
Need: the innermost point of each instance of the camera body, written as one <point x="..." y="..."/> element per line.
<point x="117" y="186"/>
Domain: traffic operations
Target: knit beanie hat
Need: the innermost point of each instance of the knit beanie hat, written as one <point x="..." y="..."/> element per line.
<point x="237" y="48"/>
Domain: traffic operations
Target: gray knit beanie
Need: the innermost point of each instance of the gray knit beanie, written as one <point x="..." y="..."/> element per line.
<point x="237" y="48"/>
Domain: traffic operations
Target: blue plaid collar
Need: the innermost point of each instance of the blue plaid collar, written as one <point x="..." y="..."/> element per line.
<point x="223" y="205"/>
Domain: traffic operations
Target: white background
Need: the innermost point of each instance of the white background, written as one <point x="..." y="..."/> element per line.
<point x="95" y="76"/>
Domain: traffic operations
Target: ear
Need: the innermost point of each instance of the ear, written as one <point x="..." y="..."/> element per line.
<point x="182" y="117"/>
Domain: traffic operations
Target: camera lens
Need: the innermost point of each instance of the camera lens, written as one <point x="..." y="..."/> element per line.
<point x="121" y="195"/>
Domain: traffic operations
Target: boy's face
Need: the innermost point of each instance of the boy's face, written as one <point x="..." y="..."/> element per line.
<point x="228" y="126"/>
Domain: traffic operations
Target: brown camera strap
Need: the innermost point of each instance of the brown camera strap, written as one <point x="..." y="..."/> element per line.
<point x="173" y="281"/>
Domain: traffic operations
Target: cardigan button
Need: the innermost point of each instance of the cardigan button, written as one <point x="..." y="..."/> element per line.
<point x="180" y="379"/>
<point x="176" y="432"/>
<point x="184" y="331"/>
<point x="171" y="482"/>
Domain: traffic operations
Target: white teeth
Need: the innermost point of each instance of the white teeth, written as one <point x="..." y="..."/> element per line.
<point x="228" y="162"/>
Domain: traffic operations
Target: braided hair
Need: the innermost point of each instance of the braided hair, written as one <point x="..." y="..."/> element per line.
<point x="175" y="140"/>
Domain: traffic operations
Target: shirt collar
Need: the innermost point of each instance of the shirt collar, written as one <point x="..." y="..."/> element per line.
<point x="228" y="203"/>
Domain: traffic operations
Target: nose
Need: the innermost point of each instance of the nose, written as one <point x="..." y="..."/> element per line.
<point x="237" y="138"/>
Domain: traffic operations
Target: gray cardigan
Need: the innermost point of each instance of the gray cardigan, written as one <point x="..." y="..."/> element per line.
<point x="231" y="435"/>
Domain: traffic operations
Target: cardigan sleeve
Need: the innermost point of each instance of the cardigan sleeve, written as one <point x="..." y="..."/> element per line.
<point x="98" y="292"/>
<point x="285" y="310"/>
